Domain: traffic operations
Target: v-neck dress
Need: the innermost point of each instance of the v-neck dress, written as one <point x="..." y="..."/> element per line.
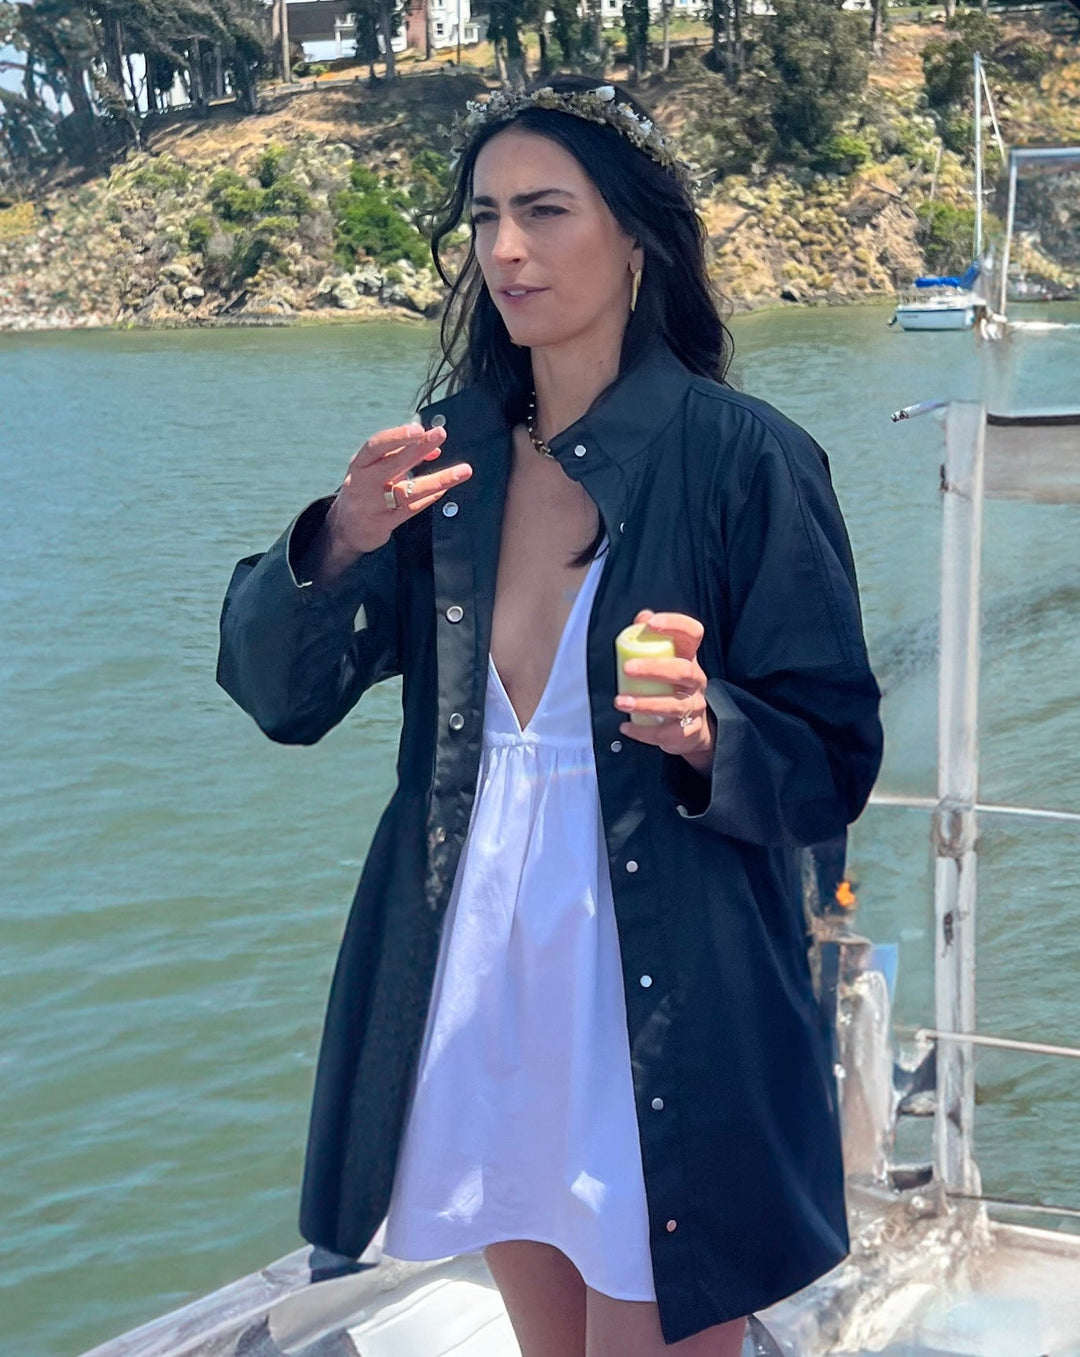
<point x="521" y="1122"/>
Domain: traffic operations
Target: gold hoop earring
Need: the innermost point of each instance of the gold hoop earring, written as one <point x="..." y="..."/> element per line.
<point x="635" y="288"/>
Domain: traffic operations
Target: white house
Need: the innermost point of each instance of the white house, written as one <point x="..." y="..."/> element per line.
<point x="326" y="30"/>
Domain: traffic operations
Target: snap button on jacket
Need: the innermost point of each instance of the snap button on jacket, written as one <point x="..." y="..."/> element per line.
<point x="717" y="506"/>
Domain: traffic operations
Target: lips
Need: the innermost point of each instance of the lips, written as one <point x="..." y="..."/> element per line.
<point x="515" y="294"/>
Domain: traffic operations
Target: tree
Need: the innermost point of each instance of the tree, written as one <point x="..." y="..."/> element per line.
<point x="567" y="25"/>
<point x="721" y="25"/>
<point x="636" y="26"/>
<point x="64" y="42"/>
<point x="819" y="56"/>
<point x="665" y="21"/>
<point x="82" y="51"/>
<point x="366" y="18"/>
<point x="879" y="23"/>
<point x="505" y="18"/>
<point x="948" y="67"/>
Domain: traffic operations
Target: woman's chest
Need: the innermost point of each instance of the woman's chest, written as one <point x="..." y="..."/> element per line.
<point x="548" y="521"/>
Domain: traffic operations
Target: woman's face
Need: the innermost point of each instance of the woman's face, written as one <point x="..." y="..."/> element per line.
<point x="541" y="225"/>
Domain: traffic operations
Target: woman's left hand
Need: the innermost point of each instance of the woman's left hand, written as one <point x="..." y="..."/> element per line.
<point x="684" y="725"/>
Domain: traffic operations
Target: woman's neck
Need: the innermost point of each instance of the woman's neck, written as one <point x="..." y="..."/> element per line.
<point x="568" y="378"/>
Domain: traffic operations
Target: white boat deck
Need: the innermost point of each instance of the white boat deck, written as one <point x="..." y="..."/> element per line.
<point x="923" y="1280"/>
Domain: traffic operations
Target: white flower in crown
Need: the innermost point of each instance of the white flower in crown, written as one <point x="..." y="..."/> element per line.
<point x="605" y="92"/>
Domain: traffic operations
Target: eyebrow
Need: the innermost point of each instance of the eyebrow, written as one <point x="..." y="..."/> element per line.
<point x="522" y="199"/>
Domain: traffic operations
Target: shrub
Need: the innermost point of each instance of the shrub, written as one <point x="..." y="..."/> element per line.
<point x="429" y="182"/>
<point x="200" y="230"/>
<point x="160" y="175"/>
<point x="269" y="164"/>
<point x="287" y="197"/>
<point x="1025" y="61"/>
<point x="957" y="131"/>
<point x="233" y="198"/>
<point x="368" y="222"/>
<point x="362" y="179"/>
<point x="947" y="63"/>
<point x="946" y="234"/>
<point x="730" y="128"/>
<point x="843" y="153"/>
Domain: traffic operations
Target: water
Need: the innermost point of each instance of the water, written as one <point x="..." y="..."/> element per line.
<point x="175" y="886"/>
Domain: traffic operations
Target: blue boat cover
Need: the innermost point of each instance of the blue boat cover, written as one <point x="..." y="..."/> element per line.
<point x="964" y="281"/>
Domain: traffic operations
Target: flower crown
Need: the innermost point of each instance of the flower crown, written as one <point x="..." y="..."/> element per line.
<point x="597" y="105"/>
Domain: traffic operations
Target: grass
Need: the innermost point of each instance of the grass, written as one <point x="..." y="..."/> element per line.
<point x="17" y="221"/>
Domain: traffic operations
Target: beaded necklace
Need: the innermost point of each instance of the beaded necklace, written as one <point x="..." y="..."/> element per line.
<point x="530" y="428"/>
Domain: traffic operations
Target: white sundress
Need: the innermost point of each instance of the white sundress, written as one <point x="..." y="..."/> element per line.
<point x="521" y="1123"/>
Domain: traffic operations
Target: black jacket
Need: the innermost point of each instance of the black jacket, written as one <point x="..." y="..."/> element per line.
<point x="716" y="506"/>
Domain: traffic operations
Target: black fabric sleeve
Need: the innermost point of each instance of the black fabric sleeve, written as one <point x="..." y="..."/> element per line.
<point x="798" y="738"/>
<point x="296" y="656"/>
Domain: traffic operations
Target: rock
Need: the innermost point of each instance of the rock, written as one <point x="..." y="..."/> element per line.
<point x="340" y="292"/>
<point x="424" y="297"/>
<point x="170" y="294"/>
<point x="394" y="294"/>
<point x="193" y="293"/>
<point x="368" y="280"/>
<point x="176" y="272"/>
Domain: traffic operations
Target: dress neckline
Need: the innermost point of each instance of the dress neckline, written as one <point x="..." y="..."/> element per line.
<point x="523" y="730"/>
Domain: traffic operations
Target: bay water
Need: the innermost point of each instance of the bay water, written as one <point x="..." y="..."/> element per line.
<point x="174" y="886"/>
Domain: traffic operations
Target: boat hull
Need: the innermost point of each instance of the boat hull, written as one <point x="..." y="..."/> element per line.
<point x="916" y="316"/>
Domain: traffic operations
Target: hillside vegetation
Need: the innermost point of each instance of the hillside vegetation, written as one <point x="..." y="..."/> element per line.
<point x="316" y="206"/>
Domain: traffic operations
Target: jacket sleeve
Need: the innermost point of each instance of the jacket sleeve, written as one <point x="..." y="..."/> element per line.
<point x="297" y="656"/>
<point x="798" y="739"/>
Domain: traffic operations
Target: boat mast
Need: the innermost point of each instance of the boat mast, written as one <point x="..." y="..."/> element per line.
<point x="978" y="160"/>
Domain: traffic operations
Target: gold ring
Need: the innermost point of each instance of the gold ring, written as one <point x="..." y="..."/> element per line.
<point x="389" y="498"/>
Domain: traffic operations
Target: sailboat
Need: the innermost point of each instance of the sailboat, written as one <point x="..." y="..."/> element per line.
<point x="948" y="303"/>
<point x="951" y="305"/>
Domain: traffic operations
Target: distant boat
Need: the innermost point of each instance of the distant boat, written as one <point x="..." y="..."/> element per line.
<point x="952" y="305"/>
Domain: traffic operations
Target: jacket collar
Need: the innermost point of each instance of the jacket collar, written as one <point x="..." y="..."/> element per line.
<point x="602" y="450"/>
<point x="621" y="423"/>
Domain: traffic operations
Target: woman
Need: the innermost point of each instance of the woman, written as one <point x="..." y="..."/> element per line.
<point x="572" y="1021"/>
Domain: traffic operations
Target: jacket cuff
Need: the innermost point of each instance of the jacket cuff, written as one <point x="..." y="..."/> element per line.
<point x="297" y="542"/>
<point x="299" y="536"/>
<point x="739" y="796"/>
<point x="287" y="563"/>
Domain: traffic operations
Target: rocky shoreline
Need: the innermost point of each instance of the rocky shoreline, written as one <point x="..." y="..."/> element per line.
<point x="269" y="219"/>
<point x="118" y="253"/>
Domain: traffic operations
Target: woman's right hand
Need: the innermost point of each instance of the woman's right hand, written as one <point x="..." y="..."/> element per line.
<point x="360" y="520"/>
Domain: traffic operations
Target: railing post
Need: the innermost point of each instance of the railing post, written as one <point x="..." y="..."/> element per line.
<point x="955" y="827"/>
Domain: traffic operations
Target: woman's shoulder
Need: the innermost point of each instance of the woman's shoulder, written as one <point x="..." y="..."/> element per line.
<point x="743" y="435"/>
<point x="754" y="418"/>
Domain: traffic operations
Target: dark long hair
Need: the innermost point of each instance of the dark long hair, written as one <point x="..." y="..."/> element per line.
<point x="676" y="300"/>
